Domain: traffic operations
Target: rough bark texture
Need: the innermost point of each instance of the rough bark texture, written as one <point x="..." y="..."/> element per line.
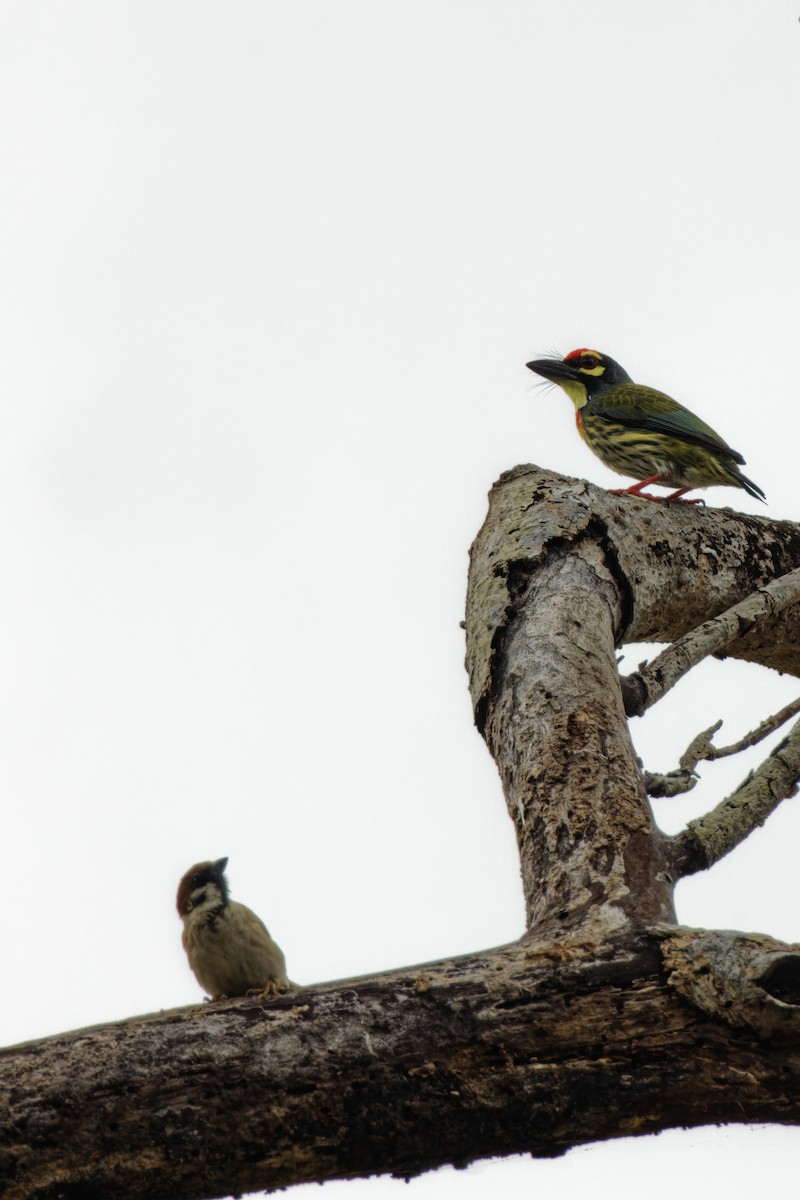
<point x="536" y="1047"/>
<point x="676" y="566"/>
<point x="653" y="680"/>
<point x="606" y="1019"/>
<point x="588" y="847"/>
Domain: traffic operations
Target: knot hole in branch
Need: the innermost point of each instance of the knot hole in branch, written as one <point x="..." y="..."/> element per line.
<point x="782" y="979"/>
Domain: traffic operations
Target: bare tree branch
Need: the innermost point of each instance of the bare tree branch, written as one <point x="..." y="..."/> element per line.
<point x="736" y="977"/>
<point x="676" y="566"/>
<point x="701" y="747"/>
<point x="529" y="1049"/>
<point x="586" y="840"/>
<point x="653" y="680"/>
<point x="590" y="1026"/>
<point x="683" y="779"/>
<point x="708" y="839"/>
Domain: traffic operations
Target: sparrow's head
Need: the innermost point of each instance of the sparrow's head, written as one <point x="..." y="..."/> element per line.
<point x="204" y="886"/>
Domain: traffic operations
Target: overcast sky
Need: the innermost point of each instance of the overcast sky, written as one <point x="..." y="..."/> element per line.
<point x="269" y="276"/>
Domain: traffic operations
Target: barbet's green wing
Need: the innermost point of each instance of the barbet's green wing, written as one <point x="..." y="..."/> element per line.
<point x="643" y="408"/>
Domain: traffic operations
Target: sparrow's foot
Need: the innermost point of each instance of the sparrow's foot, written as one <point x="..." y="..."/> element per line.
<point x="270" y="988"/>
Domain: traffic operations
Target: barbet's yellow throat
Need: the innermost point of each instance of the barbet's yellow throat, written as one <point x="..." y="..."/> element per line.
<point x="640" y="432"/>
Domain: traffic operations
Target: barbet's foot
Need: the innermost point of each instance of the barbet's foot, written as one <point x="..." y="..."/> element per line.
<point x="675" y="498"/>
<point x="636" y="490"/>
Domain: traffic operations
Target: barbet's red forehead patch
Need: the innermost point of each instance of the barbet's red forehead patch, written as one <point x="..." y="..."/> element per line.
<point x="577" y="354"/>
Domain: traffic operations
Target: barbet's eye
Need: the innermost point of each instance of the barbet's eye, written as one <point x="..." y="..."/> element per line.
<point x="589" y="362"/>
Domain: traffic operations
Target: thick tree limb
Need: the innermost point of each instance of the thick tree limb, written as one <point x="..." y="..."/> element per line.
<point x="532" y="1048"/>
<point x="595" y="1025"/>
<point x="737" y="977"/>
<point x="587" y="844"/>
<point x="544" y="612"/>
<point x="676" y="566"/>
<point x="708" y="839"/>
<point x="653" y="680"/>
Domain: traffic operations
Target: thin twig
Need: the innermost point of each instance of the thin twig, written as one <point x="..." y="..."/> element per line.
<point x="643" y="688"/>
<point x="756" y="735"/>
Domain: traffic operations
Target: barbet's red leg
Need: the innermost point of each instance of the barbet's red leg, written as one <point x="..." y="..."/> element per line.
<point x="676" y="497"/>
<point x="636" y="490"/>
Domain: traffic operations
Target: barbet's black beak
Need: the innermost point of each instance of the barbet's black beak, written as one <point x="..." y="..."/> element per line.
<point x="553" y="369"/>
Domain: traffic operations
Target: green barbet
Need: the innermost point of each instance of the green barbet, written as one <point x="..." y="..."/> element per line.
<point x="640" y="432"/>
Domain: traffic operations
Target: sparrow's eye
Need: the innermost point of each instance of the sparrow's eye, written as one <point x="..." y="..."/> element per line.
<point x="589" y="362"/>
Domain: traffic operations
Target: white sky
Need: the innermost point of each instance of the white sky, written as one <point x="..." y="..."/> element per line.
<point x="269" y="276"/>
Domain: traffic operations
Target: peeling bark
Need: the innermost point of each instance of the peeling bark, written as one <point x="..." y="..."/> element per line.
<point x="747" y="981"/>
<point x="606" y="1019"/>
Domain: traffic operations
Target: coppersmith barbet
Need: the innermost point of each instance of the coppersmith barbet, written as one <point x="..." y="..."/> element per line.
<point x="640" y="432"/>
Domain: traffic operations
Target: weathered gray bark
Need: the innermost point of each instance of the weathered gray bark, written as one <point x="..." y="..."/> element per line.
<point x="588" y="848"/>
<point x="606" y="1019"/>
<point x="675" y="566"/>
<point x="652" y="681"/>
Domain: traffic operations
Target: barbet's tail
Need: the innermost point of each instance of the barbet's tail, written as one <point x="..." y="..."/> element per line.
<point x="751" y="488"/>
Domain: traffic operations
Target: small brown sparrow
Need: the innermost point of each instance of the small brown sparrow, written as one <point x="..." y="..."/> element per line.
<point x="228" y="947"/>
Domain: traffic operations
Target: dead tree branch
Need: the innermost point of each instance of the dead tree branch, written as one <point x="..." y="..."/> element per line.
<point x="676" y="567"/>
<point x="587" y="844"/>
<point x="533" y="1048"/>
<point x="708" y="839"/>
<point x="701" y="748"/>
<point x="605" y="1019"/>
<point x="645" y="687"/>
<point x="673" y="783"/>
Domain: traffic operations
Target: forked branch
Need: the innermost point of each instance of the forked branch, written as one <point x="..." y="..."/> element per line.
<point x="701" y="748"/>
<point x="579" y="1031"/>
<point x="708" y="839"/>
